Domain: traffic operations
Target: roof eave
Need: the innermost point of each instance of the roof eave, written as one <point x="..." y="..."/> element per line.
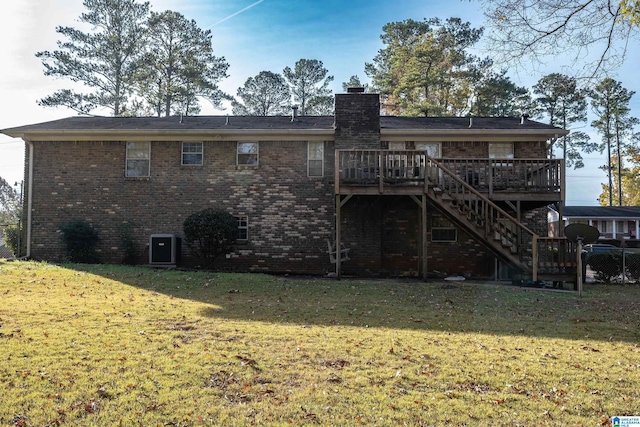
<point x="472" y="134"/>
<point x="171" y="134"/>
<point x="278" y="134"/>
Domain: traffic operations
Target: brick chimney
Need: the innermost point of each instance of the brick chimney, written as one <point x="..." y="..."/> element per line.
<point x="357" y="120"/>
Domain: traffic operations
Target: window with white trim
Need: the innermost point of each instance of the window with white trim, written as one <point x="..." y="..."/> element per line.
<point x="397" y="146"/>
<point x="501" y="150"/>
<point x="442" y="230"/>
<point x="315" y="159"/>
<point x="432" y="148"/>
<point x="138" y="159"/>
<point x="243" y="228"/>
<point x="247" y="154"/>
<point x="605" y="226"/>
<point x="192" y="153"/>
<point x="622" y="227"/>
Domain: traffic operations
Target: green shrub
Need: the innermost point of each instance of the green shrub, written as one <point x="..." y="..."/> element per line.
<point x="11" y="237"/>
<point x="80" y="240"/>
<point x="632" y="266"/>
<point x="606" y="265"/>
<point x="210" y="233"/>
<point x="125" y="230"/>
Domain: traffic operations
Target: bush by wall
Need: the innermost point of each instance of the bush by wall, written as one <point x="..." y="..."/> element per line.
<point x="210" y="233"/>
<point x="80" y="240"/>
<point x="11" y="234"/>
<point x="606" y="265"/>
<point x="129" y="246"/>
<point x="632" y="266"/>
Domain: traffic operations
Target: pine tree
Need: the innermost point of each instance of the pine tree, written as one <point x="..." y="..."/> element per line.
<point x="425" y="69"/>
<point x="180" y="66"/>
<point x="309" y="82"/>
<point x="610" y="103"/>
<point x="561" y="101"/>
<point x="266" y="94"/>
<point x="106" y="61"/>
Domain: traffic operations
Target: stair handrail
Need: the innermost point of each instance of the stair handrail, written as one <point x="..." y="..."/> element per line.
<point x="434" y="165"/>
<point x="479" y="195"/>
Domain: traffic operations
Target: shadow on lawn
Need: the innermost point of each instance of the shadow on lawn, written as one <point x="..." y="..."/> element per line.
<point x="603" y="313"/>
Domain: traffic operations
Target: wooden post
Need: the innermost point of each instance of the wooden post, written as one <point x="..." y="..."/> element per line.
<point x="534" y="256"/>
<point x="579" y="277"/>
<point x="338" y="237"/>
<point x="422" y="203"/>
<point x="380" y="173"/>
<point x="491" y="176"/>
<point x="424" y="236"/>
<point x="337" y="172"/>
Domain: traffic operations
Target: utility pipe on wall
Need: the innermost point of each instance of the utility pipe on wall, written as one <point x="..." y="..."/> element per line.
<point x="30" y="194"/>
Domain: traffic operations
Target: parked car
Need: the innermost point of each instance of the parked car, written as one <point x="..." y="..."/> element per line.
<point x="598" y="248"/>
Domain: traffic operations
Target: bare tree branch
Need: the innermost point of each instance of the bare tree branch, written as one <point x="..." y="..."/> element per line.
<point x="591" y="36"/>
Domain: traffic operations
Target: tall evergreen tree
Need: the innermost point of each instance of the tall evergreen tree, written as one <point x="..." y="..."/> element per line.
<point x="424" y="68"/>
<point x="354" y="81"/>
<point x="497" y="96"/>
<point x="180" y="66"/>
<point x="610" y="103"/>
<point x="266" y="94"/>
<point x="9" y="203"/>
<point x="630" y="176"/>
<point x="561" y="101"/>
<point x="105" y="61"/>
<point x="309" y="82"/>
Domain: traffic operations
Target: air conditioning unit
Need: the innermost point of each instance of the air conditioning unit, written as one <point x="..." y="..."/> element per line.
<point x="164" y="249"/>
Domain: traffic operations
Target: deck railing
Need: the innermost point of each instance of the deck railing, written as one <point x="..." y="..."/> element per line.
<point x="556" y="254"/>
<point x="488" y="219"/>
<point x="409" y="167"/>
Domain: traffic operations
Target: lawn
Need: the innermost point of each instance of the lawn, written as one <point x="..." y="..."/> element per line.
<point x="97" y="345"/>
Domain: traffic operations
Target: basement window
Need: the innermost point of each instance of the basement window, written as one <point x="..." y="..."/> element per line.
<point x="138" y="159"/>
<point x="243" y="228"/>
<point x="442" y="230"/>
<point x="192" y="153"/>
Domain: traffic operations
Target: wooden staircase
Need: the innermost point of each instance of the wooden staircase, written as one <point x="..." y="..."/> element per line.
<point x="502" y="234"/>
<point x="463" y="189"/>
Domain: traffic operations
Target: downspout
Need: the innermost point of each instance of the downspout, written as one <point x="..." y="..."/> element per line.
<point x="29" y="196"/>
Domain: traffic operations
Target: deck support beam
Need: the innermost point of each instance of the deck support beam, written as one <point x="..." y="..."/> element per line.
<point x="340" y="202"/>
<point x="422" y="203"/>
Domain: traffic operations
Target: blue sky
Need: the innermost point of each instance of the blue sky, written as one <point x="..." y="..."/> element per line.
<point x="253" y="36"/>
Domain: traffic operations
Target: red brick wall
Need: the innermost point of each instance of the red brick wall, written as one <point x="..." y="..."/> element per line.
<point x="463" y="150"/>
<point x="357" y="121"/>
<point x="384" y="235"/>
<point x="290" y="215"/>
<point x="530" y="150"/>
<point x="480" y="149"/>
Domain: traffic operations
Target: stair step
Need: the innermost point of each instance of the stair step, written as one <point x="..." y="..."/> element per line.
<point x="471" y="213"/>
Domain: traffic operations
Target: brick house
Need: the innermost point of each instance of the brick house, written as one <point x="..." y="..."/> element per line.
<point x="406" y="196"/>
<point x="615" y="223"/>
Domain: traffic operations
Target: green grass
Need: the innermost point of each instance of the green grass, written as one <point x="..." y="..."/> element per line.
<point x="94" y="345"/>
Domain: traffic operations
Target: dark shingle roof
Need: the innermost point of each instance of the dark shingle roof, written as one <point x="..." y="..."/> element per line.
<point x="179" y="123"/>
<point x="78" y="123"/>
<point x="602" y="211"/>
<point x="393" y="122"/>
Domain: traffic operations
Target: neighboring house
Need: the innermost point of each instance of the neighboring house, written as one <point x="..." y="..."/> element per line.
<point x="613" y="222"/>
<point x="404" y="195"/>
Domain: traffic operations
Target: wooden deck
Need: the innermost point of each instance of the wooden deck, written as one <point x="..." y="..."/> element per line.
<point x="408" y="172"/>
<point x="468" y="191"/>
